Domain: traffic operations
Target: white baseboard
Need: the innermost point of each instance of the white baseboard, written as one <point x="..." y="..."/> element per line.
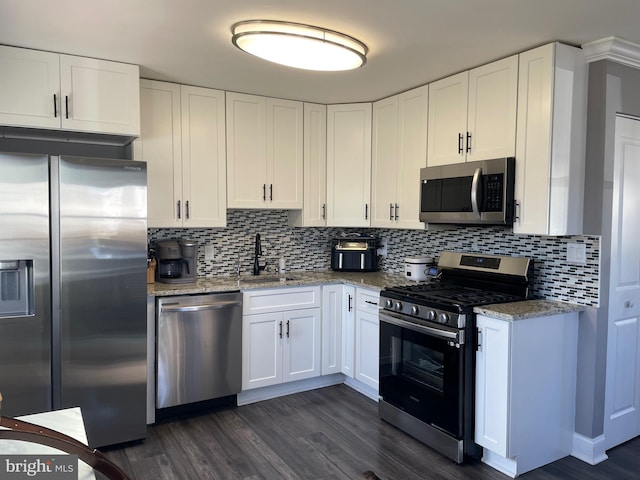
<point x="508" y="466"/>
<point x="266" y="393"/>
<point x="589" y="450"/>
<point x="360" y="387"/>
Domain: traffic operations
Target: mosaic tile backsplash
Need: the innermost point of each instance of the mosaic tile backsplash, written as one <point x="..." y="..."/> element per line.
<point x="309" y="248"/>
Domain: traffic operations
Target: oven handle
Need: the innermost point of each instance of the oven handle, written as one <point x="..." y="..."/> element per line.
<point x="434" y="332"/>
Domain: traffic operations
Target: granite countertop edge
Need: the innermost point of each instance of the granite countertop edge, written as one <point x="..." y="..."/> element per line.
<point x="528" y="309"/>
<point x="203" y="285"/>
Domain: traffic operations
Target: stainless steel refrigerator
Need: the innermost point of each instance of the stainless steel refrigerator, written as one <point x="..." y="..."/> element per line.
<point x="73" y="254"/>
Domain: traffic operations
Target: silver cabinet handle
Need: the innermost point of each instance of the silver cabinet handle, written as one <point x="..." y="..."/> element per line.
<point x="468" y="142"/>
<point x="324" y="211"/>
<point x="475" y="186"/>
<point x="366" y="211"/>
<point x="397" y="207"/>
<point x="66" y="105"/>
<point x="186" y="209"/>
<point x="460" y="149"/>
<point x="55" y="106"/>
<point x="391" y="211"/>
<point x="288" y="327"/>
<point x="178" y="209"/>
<point x="280" y="326"/>
<point x="271" y="192"/>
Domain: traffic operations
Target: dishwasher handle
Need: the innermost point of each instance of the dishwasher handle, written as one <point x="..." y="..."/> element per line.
<point x="176" y="307"/>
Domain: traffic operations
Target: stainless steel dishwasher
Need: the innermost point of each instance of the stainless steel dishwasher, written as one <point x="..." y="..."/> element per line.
<point x="199" y="348"/>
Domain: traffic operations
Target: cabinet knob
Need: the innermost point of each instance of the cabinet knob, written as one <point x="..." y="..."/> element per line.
<point x="629" y="304"/>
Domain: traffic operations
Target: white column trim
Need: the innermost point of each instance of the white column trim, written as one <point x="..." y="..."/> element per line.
<point x="590" y="450"/>
<point x="614" y="49"/>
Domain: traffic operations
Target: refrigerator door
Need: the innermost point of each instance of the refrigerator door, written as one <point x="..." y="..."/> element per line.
<point x="25" y="308"/>
<point x="103" y="296"/>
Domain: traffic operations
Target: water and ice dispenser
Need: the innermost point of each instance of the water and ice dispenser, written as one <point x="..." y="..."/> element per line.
<point x="16" y="288"/>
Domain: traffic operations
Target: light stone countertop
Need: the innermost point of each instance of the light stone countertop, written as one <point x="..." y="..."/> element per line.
<point x="527" y="309"/>
<point x="372" y="280"/>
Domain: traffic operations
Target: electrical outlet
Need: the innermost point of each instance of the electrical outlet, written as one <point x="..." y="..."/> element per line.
<point x="577" y="253"/>
<point x="209" y="252"/>
<point x="382" y="247"/>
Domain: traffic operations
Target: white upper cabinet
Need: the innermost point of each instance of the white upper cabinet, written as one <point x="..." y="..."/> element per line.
<point x="551" y="137"/>
<point x="314" y="210"/>
<point x="399" y="152"/>
<point x="472" y="115"/>
<point x="183" y="143"/>
<point x="52" y="91"/>
<point x="264" y="152"/>
<point x="349" y="165"/>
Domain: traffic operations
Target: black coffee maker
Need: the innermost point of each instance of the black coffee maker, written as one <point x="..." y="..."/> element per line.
<point x="177" y="261"/>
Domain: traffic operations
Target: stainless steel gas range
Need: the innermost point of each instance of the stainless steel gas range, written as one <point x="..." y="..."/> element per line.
<point x="427" y="346"/>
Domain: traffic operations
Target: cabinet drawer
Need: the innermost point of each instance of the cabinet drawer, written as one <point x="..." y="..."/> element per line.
<point x="367" y="300"/>
<point x="280" y="299"/>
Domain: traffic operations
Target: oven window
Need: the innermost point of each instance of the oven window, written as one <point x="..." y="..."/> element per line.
<point x="421" y="365"/>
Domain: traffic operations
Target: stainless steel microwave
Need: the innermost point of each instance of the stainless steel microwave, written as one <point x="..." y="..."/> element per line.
<point x="475" y="193"/>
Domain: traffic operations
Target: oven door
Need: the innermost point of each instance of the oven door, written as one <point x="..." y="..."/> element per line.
<point x="421" y="372"/>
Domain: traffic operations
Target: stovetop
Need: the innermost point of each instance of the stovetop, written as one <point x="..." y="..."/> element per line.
<point x="448" y="297"/>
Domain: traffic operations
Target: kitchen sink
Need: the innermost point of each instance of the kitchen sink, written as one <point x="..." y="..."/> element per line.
<point x="266" y="279"/>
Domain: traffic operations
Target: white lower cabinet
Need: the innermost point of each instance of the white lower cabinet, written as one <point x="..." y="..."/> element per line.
<point x="281" y="336"/>
<point x="331" y="329"/>
<point x="525" y="390"/>
<point x="348" y="331"/>
<point x="367" y="338"/>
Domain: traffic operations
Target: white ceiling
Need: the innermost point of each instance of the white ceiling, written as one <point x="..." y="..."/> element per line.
<point x="411" y="42"/>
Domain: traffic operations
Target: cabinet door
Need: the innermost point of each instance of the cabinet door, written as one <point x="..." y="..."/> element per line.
<point x="160" y="146"/>
<point x="447" y="125"/>
<point x="349" y="165"/>
<point x="30" y="80"/>
<point x="491" y="123"/>
<point x="412" y="156"/>
<point x="492" y="385"/>
<point x="550" y="143"/>
<point x="533" y="156"/>
<point x="262" y="336"/>
<point x="284" y="153"/>
<point x="385" y="163"/>
<point x="204" y="179"/>
<point x="367" y="348"/>
<point x="301" y="349"/>
<point x="348" y="330"/>
<point x="99" y="96"/>
<point x="246" y="160"/>
<point x="331" y="329"/>
<point x="314" y="208"/>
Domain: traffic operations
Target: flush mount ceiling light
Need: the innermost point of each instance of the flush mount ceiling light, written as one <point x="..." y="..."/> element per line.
<point x="298" y="45"/>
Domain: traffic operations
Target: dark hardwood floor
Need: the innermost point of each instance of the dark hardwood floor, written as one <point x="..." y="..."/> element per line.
<point x="330" y="433"/>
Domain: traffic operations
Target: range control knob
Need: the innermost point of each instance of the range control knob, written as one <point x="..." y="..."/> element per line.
<point x="398" y="306"/>
<point x="415" y="310"/>
<point x="388" y="304"/>
<point x="431" y="315"/>
<point x="443" y="318"/>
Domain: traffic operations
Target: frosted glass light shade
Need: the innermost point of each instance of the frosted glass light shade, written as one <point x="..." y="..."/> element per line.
<point x="299" y="46"/>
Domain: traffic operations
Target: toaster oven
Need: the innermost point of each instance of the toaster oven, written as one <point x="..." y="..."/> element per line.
<point x="354" y="254"/>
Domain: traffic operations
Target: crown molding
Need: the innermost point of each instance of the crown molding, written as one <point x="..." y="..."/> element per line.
<point x="614" y="49"/>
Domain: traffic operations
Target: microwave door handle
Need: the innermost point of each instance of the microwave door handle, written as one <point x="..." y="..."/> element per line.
<point x="475" y="186"/>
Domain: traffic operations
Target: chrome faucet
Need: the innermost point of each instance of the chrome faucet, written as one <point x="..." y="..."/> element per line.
<point x="256" y="264"/>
